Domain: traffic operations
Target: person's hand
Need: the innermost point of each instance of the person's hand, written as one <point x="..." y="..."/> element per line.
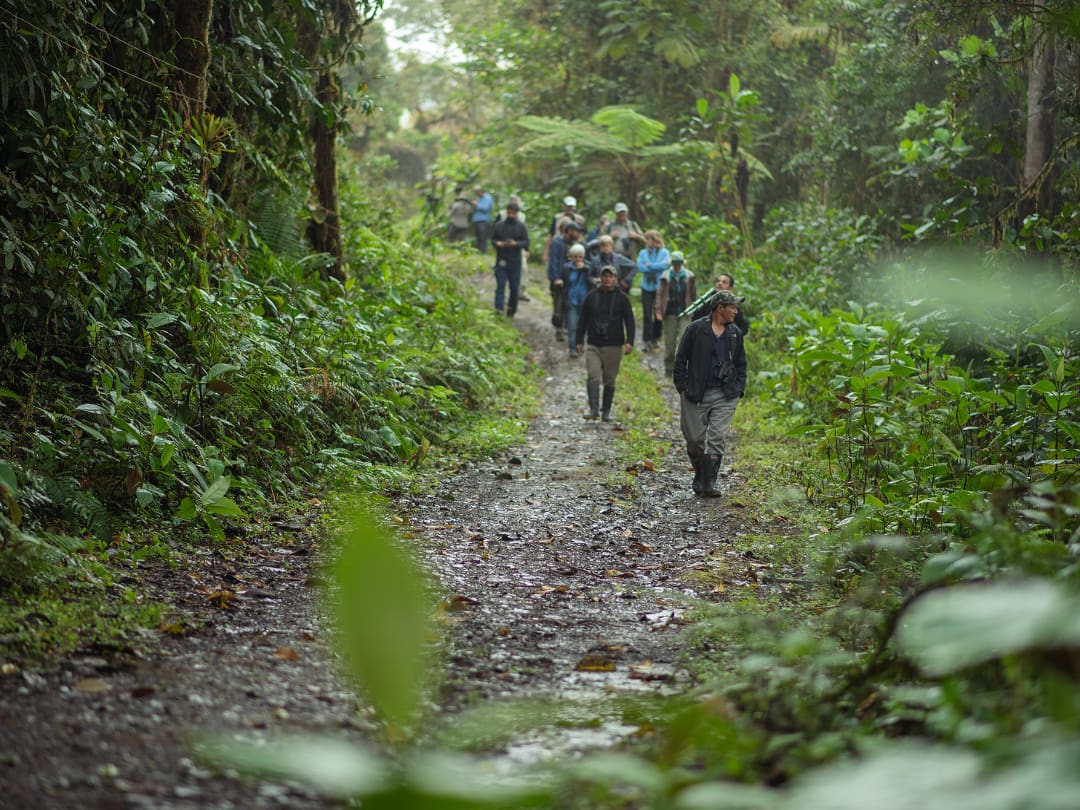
<point x="580" y="348"/>
<point x="558" y="282"/>
<point x="627" y="348"/>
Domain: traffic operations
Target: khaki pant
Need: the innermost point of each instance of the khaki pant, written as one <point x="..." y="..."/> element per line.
<point x="602" y="364"/>
<point x="673" y="329"/>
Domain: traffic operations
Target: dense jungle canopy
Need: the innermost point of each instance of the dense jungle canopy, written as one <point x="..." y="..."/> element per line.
<point x="224" y="281"/>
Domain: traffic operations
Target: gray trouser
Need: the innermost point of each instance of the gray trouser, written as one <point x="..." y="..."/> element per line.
<point x="706" y="424"/>
<point x="602" y="363"/>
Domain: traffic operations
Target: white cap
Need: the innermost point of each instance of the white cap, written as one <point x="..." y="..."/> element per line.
<point x="620" y="208"/>
<point x="570" y="201"/>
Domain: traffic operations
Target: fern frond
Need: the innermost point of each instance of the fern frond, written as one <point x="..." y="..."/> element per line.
<point x="630" y="127"/>
<point x="791" y="35"/>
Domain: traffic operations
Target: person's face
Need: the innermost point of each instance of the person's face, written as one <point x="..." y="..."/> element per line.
<point x="608" y="281"/>
<point x="727" y="313"/>
<point x="620" y="216"/>
<point x="677" y="266"/>
<point x="723" y="283"/>
<point x="577" y="260"/>
<point x="511" y="213"/>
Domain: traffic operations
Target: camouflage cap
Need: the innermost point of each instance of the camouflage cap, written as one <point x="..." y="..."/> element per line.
<point x="726" y="298"/>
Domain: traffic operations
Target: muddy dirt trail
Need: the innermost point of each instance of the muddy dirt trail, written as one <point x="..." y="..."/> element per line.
<point x="559" y="582"/>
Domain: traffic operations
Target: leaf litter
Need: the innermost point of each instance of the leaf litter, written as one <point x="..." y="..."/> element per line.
<point x="559" y="590"/>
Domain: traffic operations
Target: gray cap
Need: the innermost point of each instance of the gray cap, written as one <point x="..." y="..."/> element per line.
<point x="620" y="208"/>
<point x="677" y="257"/>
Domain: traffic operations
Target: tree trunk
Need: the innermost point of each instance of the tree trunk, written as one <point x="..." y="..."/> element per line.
<point x="1040" y="136"/>
<point x="192" y="53"/>
<point x="324" y="232"/>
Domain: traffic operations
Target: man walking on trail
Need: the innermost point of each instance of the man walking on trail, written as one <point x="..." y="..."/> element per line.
<point x="558" y="255"/>
<point x="678" y="288"/>
<point x="724" y="281"/>
<point x="510" y="238"/>
<point x="607" y="319"/>
<point x="460" y="214"/>
<point x="626" y="234"/>
<point x="483" y="206"/>
<point x="625" y="268"/>
<point x="651" y="262"/>
<point x="558" y="223"/>
<point x="710" y="374"/>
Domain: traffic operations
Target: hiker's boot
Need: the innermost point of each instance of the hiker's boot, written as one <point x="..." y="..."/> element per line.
<point x="710" y="469"/>
<point x="594" y="400"/>
<point x="609" y="395"/>
<point x="699" y="472"/>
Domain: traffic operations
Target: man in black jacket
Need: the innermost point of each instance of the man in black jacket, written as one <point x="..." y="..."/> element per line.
<point x="510" y="237"/>
<point x="607" y="318"/>
<point x="710" y="373"/>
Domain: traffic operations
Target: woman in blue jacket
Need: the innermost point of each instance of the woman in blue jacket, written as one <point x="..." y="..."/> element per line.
<point x="652" y="262"/>
<point x="575" y="282"/>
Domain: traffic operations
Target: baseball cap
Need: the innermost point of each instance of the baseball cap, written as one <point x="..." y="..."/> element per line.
<point x="570" y="201"/>
<point x="621" y="208"/>
<point x="678" y="257"/>
<point x="608" y="269"/>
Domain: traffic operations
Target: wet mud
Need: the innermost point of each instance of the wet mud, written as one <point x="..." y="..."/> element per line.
<point x="558" y="582"/>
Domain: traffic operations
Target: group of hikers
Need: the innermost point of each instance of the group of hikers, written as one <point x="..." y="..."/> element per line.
<point x="590" y="275"/>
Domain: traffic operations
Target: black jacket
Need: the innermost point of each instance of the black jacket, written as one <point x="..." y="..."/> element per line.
<point x="694" y="361"/>
<point x="504" y="231"/>
<point x="607" y="318"/>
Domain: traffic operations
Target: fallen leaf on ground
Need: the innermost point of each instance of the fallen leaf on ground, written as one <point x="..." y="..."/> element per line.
<point x="652" y="676"/>
<point x="595" y="663"/>
<point x="286" y="654"/>
<point x="221" y="598"/>
<point x="458" y="603"/>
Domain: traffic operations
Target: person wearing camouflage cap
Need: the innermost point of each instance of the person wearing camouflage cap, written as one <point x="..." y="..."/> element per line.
<point x="710" y="376"/>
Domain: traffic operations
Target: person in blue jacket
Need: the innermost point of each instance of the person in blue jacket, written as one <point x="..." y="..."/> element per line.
<point x="651" y="262"/>
<point x="483" y="206"/>
<point x="575" y="284"/>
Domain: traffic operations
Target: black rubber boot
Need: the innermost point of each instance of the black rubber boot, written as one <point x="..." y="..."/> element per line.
<point x="609" y="395"/>
<point x="594" y="400"/>
<point x="710" y="469"/>
<point x="699" y="473"/>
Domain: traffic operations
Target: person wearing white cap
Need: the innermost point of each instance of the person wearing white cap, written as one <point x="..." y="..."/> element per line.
<point x="626" y="234"/>
<point x="558" y="223"/>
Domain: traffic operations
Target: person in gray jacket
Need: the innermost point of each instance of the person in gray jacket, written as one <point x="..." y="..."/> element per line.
<point x="710" y="376"/>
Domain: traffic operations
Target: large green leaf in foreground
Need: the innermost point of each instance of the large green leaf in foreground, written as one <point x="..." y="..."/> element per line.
<point x="383" y="613"/>
<point x="953" y="628"/>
